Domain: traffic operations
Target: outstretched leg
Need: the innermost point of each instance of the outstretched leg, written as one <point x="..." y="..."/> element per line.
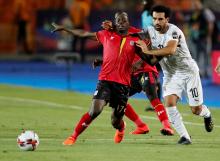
<point x="86" y="119"/>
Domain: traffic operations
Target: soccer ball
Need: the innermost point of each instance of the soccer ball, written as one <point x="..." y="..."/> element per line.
<point x="28" y="141"/>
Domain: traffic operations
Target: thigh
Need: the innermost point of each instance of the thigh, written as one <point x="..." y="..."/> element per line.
<point x="119" y="98"/>
<point x="173" y="85"/>
<point x="171" y="100"/>
<point x="194" y="90"/>
<point x="103" y="91"/>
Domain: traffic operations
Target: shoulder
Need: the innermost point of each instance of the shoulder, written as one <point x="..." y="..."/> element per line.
<point x="134" y="29"/>
<point x="103" y="32"/>
<point x="174" y="30"/>
<point x="102" y="35"/>
<point x="173" y="27"/>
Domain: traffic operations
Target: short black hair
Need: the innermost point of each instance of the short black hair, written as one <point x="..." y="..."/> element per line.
<point x="121" y="13"/>
<point x="160" y="8"/>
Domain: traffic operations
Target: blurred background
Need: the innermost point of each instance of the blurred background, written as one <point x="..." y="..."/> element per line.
<point x="31" y="55"/>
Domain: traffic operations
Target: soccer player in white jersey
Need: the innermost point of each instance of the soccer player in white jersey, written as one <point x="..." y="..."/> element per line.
<point x="181" y="73"/>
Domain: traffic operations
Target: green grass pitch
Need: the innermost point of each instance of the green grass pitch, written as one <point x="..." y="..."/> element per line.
<point x="52" y="115"/>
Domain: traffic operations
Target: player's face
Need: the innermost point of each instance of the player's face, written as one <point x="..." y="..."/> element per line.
<point x="159" y="21"/>
<point x="122" y="24"/>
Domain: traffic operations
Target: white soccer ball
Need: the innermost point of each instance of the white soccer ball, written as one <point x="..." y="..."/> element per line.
<point x="28" y="141"/>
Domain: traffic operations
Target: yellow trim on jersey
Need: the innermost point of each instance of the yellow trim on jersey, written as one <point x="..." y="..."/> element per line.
<point x="97" y="37"/>
<point x="122" y="44"/>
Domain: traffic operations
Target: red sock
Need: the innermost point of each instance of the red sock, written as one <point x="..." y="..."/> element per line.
<point x="160" y="110"/>
<point x="82" y="125"/>
<point x="132" y="115"/>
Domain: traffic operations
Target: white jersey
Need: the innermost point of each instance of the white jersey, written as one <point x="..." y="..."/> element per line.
<point x="181" y="73"/>
<point x="181" y="61"/>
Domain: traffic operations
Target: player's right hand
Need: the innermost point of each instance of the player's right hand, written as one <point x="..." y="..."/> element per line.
<point x="143" y="46"/>
<point x="57" y="27"/>
<point x="107" y="25"/>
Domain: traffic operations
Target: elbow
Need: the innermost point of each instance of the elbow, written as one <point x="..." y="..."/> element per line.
<point x="81" y="35"/>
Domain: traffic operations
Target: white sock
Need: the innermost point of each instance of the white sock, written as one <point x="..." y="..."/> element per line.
<point x="177" y="122"/>
<point x="205" y="112"/>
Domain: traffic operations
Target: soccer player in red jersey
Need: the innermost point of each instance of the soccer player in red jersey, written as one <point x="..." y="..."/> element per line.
<point x="145" y="79"/>
<point x="114" y="77"/>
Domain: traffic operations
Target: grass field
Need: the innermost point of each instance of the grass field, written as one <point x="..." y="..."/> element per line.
<point x="52" y="114"/>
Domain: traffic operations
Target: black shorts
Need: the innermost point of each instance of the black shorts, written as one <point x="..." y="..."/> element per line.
<point x="115" y="94"/>
<point x="146" y="82"/>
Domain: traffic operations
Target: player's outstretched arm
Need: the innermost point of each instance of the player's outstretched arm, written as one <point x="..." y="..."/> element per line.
<point x="77" y="32"/>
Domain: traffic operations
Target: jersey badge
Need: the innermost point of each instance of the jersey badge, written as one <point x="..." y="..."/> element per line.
<point x="132" y="43"/>
<point x="175" y="35"/>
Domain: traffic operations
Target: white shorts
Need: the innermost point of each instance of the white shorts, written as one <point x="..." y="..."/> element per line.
<point x="188" y="84"/>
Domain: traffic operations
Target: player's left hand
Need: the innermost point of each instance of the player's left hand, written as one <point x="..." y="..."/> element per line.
<point x="143" y="46"/>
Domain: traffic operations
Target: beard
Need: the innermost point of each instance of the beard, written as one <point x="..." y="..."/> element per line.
<point x="158" y="27"/>
<point x="122" y="31"/>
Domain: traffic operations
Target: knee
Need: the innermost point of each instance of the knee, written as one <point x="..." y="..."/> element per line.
<point x="96" y="108"/>
<point x="171" y="100"/>
<point x="151" y="97"/>
<point x="170" y="104"/>
<point x="94" y="113"/>
<point x="151" y="93"/>
<point x="196" y="110"/>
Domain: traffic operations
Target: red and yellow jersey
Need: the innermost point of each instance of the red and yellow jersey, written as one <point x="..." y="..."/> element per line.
<point x="118" y="56"/>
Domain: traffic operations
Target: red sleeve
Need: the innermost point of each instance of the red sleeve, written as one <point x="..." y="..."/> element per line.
<point x="134" y="30"/>
<point x="101" y="35"/>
